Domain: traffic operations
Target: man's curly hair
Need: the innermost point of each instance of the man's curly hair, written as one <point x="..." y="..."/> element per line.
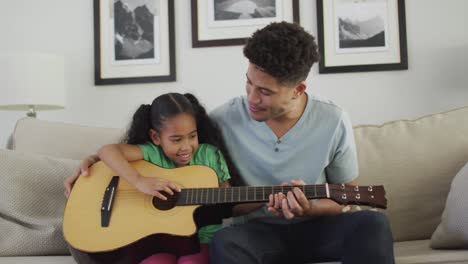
<point x="283" y="50"/>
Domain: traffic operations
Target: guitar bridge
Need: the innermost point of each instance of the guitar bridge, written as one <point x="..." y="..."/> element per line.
<point x="108" y="201"/>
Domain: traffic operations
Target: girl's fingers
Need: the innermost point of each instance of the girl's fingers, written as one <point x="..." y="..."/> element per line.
<point x="168" y="190"/>
<point x="160" y="196"/>
<point x="174" y="186"/>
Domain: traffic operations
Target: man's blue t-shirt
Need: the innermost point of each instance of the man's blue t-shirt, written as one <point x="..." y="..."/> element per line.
<point x="319" y="148"/>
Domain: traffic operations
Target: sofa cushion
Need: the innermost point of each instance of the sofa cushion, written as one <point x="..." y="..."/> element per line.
<point x="452" y="232"/>
<point x="416" y="161"/>
<point x="32" y="203"/>
<point x="60" y="139"/>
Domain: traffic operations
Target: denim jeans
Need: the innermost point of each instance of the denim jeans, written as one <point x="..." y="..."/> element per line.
<point x="352" y="238"/>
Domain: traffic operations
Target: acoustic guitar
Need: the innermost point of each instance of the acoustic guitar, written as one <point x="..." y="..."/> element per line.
<point x="104" y="212"/>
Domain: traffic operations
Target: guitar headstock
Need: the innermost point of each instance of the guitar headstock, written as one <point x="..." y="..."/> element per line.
<point x="373" y="196"/>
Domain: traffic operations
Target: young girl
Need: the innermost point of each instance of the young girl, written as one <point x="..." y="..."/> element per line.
<point x="173" y="131"/>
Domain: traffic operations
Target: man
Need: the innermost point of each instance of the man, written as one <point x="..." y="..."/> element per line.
<point x="278" y="133"/>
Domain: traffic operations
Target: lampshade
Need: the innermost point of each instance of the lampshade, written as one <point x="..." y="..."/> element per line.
<point x="31" y="81"/>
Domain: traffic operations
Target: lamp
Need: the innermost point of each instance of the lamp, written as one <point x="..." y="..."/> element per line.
<point x="31" y="81"/>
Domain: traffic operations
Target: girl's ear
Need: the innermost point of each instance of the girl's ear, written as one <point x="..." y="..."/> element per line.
<point x="154" y="136"/>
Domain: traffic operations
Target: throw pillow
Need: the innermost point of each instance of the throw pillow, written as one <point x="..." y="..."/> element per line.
<point x="452" y="232"/>
<point x="32" y="203"/>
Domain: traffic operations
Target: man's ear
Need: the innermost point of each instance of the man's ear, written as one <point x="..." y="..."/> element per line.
<point x="154" y="136"/>
<point x="299" y="89"/>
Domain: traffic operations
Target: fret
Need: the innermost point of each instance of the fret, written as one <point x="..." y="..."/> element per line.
<point x="239" y="198"/>
<point x="315" y="191"/>
<point x="212" y="196"/>
<point x="255" y="194"/>
<point x="191" y="197"/>
<point x="246" y="193"/>
<point x="232" y="195"/>
<point x="225" y="190"/>
<point x="201" y="196"/>
<point x="186" y="196"/>
<point x="219" y="190"/>
<point x="263" y="193"/>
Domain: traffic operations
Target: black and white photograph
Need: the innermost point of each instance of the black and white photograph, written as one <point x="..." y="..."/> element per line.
<point x="134" y="41"/>
<point x="361" y="35"/>
<point x="226" y="13"/>
<point x="231" y="22"/>
<point x="135" y="34"/>
<point x="244" y="9"/>
<point x="361" y="25"/>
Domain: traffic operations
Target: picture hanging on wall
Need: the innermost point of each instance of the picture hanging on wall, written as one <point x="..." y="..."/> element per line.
<point x="361" y="35"/>
<point x="231" y="22"/>
<point x="134" y="41"/>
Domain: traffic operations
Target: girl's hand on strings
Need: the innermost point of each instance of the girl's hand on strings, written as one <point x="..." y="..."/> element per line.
<point x="154" y="186"/>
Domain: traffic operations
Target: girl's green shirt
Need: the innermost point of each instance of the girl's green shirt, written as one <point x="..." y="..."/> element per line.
<point x="205" y="154"/>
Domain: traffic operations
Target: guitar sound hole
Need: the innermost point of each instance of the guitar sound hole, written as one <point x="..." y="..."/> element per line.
<point x="168" y="204"/>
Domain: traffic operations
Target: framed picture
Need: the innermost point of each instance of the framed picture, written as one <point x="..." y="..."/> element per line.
<point x="134" y="41"/>
<point x="231" y="22"/>
<point x="361" y="35"/>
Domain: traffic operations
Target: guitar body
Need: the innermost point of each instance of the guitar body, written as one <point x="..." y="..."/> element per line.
<point x="133" y="215"/>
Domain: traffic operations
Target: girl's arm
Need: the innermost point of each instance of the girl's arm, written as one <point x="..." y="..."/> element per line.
<point x="118" y="156"/>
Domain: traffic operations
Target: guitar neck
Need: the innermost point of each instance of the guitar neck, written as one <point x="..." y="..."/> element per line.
<point x="244" y="194"/>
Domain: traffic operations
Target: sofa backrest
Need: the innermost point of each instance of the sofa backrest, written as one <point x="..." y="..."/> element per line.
<point x="60" y="139"/>
<point x="416" y="161"/>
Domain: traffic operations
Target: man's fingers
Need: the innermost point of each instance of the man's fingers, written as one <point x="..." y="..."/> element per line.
<point x="285" y="209"/>
<point x="294" y="205"/>
<point x="300" y="197"/>
<point x="277" y="201"/>
<point x="84" y="171"/>
<point x="274" y="211"/>
<point x="297" y="182"/>
<point x="271" y="201"/>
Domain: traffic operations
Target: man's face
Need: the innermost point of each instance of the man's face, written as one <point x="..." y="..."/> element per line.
<point x="268" y="99"/>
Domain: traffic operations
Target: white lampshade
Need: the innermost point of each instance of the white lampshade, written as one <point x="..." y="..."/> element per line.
<point x="32" y="81"/>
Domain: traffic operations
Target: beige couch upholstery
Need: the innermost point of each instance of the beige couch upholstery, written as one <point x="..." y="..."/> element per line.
<point x="415" y="160"/>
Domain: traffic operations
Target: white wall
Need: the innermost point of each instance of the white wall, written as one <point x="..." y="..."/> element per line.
<point x="437" y="79"/>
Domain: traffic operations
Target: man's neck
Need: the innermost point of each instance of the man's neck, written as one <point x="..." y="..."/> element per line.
<point x="282" y="124"/>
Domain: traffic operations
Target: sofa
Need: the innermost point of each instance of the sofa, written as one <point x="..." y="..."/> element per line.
<point x="416" y="160"/>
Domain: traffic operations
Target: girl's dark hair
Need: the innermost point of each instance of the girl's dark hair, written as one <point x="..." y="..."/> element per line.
<point x="168" y="105"/>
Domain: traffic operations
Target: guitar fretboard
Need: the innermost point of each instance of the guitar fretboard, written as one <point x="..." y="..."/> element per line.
<point x="198" y="196"/>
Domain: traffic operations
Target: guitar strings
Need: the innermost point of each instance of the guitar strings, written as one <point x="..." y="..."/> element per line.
<point x="195" y="195"/>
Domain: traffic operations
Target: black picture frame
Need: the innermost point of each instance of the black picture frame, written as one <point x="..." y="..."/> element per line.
<point x="226" y="40"/>
<point x="333" y="62"/>
<point x="135" y="70"/>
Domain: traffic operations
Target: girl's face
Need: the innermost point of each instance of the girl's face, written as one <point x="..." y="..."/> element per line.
<point x="178" y="138"/>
